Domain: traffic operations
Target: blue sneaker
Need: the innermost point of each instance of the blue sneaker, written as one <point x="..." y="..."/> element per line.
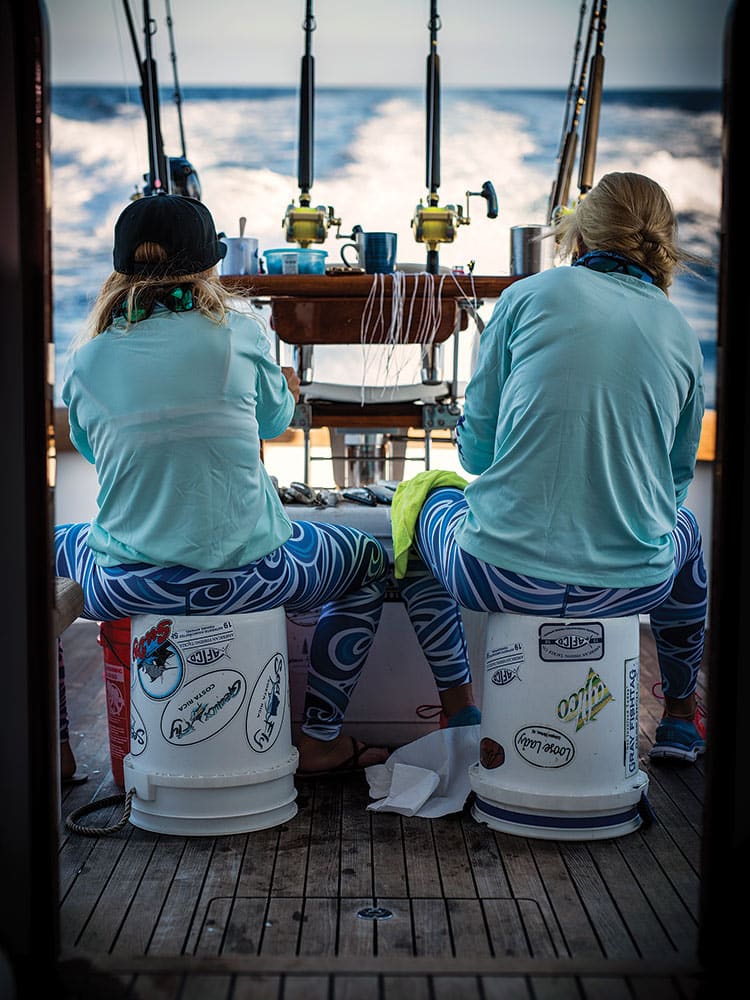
<point x="677" y="739"/>
<point x="469" y="716"/>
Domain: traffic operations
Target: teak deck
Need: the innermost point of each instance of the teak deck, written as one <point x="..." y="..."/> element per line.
<point x="278" y="914"/>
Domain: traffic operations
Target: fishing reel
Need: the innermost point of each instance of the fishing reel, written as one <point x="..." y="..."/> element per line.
<point x="433" y="225"/>
<point x="183" y="178"/>
<point x="304" y="224"/>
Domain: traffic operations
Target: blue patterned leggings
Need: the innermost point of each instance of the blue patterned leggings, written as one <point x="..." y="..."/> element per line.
<point x="340" y="570"/>
<point x="448" y="578"/>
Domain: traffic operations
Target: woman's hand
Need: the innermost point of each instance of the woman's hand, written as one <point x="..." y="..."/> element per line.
<point x="292" y="381"/>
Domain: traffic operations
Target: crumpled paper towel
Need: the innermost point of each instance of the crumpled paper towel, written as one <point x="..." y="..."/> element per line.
<point x="429" y="777"/>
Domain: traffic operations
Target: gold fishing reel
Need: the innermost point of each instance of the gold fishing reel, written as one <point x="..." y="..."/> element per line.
<point x="305" y="224"/>
<point x="433" y="224"/>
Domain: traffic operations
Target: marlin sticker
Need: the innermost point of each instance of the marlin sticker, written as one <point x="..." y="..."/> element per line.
<point x="267" y="705"/>
<point x="158" y="662"/>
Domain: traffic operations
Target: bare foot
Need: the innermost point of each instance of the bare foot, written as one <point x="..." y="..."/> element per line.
<point x="68" y="766"/>
<point x="343" y="753"/>
<point x="67" y="761"/>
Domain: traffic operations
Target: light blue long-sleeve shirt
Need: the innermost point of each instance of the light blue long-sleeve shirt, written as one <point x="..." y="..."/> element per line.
<point x="171" y="412"/>
<point x="581" y="422"/>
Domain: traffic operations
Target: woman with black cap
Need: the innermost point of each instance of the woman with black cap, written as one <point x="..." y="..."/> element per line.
<point x="169" y="395"/>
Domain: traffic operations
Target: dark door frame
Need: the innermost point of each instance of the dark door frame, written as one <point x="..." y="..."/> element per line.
<point x="29" y="797"/>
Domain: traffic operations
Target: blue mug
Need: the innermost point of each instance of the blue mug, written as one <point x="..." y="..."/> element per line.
<point x="376" y="252"/>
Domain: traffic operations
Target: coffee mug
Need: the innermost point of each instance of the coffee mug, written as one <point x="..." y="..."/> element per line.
<point x="376" y="252"/>
<point x="241" y="256"/>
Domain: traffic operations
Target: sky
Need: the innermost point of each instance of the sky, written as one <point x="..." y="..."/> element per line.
<point x="482" y="43"/>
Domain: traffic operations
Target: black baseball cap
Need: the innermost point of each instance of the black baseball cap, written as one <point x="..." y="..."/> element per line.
<point x="183" y="226"/>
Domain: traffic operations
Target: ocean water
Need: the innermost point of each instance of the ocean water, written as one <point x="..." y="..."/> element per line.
<point x="369" y="165"/>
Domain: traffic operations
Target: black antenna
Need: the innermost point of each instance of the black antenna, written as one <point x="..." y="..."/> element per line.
<point x="306" y="106"/>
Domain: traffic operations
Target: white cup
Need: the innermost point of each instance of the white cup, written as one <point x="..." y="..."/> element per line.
<point x="242" y="255"/>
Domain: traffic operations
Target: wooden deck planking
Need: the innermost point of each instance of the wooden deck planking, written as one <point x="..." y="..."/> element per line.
<point x="642" y="923"/>
<point x="138" y="927"/>
<point x="526" y="883"/>
<point x="356" y="844"/>
<point x="453" y="864"/>
<point x="607" y="924"/>
<point x="420" y="858"/>
<point x="457" y="890"/>
<point x="575" y="923"/>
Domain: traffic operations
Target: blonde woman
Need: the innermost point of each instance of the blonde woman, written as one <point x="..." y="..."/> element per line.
<point x="170" y="396"/>
<point x="581" y="424"/>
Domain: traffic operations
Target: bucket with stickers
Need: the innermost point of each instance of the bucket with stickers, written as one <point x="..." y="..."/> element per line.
<point x="114" y="638"/>
<point x="560" y="726"/>
<point x="210" y="744"/>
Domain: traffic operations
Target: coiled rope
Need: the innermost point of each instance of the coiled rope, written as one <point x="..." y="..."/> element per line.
<point x="71" y="823"/>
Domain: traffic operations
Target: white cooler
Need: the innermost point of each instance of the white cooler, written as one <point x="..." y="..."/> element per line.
<point x="387" y="706"/>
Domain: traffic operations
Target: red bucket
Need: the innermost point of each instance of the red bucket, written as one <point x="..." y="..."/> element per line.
<point x="114" y="638"/>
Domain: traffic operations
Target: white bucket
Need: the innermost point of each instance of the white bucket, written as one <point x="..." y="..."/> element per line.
<point x="559" y="733"/>
<point x="210" y="746"/>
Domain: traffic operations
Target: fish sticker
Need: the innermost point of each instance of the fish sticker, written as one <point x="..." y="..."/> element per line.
<point x="205" y="657"/>
<point x="158" y="662"/>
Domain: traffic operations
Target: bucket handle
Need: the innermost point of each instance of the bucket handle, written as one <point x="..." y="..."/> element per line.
<point x="100" y="831"/>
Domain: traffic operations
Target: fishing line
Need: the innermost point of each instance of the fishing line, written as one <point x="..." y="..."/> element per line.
<point x="128" y="99"/>
<point x="177" y="92"/>
<point x="403" y="332"/>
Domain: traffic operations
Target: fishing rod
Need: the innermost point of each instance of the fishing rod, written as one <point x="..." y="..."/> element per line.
<point x="181" y="171"/>
<point x="157" y="179"/>
<point x="304" y="224"/>
<point x="560" y="194"/>
<point x="166" y="174"/>
<point x="432" y="224"/>
<point x="563" y="152"/>
<point x="593" y="107"/>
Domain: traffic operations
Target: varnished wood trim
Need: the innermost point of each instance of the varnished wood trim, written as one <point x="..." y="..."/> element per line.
<point x="707" y="445"/>
<point x="304" y="286"/>
<point x="392" y="965"/>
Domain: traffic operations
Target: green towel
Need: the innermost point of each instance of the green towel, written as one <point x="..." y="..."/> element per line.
<point x="407" y="503"/>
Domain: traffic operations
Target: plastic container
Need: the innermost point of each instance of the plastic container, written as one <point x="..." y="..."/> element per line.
<point x="559" y="734"/>
<point x="295" y="261"/>
<point x="114" y="638"/>
<point x="210" y="749"/>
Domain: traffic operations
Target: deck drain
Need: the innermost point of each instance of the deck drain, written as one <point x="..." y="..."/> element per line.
<point x="375" y="913"/>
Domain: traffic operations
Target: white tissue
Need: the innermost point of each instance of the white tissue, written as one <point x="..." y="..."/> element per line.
<point x="429" y="777"/>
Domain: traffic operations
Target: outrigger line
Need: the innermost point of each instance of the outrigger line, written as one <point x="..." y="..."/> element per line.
<point x="591" y="102"/>
<point x="167" y="175"/>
